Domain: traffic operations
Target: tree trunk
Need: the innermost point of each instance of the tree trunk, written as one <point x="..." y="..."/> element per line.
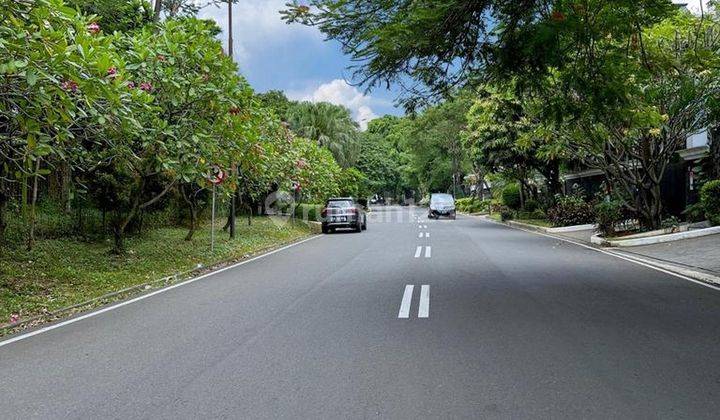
<point x="193" y="223"/>
<point x="158" y="8"/>
<point x="3" y="208"/>
<point x="66" y="187"/>
<point x="192" y="209"/>
<point x="649" y="205"/>
<point x="33" y="206"/>
<point x="4" y="198"/>
<point x="250" y="213"/>
<point x="552" y="179"/>
<point x="118" y="237"/>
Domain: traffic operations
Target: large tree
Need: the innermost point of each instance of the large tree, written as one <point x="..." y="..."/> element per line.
<point x="331" y="126"/>
<point x="432" y="47"/>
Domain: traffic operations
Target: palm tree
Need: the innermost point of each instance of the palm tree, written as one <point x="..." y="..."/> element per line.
<point x="331" y="126"/>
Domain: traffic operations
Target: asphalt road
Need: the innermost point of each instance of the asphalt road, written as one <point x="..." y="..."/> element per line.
<point x="499" y="323"/>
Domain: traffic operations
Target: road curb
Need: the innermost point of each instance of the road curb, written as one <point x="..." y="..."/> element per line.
<point x="657" y="239"/>
<point x="685" y="271"/>
<point x="706" y="279"/>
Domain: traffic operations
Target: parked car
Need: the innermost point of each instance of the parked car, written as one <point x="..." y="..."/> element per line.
<point x="343" y="212"/>
<point x="441" y="205"/>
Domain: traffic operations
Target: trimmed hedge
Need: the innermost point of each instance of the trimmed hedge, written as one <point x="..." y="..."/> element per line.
<point x="570" y="211"/>
<point x="472" y="205"/>
<point x="710" y="199"/>
<point x="511" y="196"/>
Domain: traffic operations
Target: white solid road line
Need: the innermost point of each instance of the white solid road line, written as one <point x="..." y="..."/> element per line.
<point x="427" y="234"/>
<point x="406" y="301"/>
<point x="602" y="251"/>
<point x="424" y="226"/>
<point x="424" y="309"/>
<point x="418" y="251"/>
<point x="428" y="252"/>
<point x="420" y="235"/>
<point x="157" y="292"/>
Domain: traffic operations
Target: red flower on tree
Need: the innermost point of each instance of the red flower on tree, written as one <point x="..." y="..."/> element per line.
<point x="93" y="28"/>
<point x="70" y="86"/>
<point x="146" y="86"/>
<point x="112" y="71"/>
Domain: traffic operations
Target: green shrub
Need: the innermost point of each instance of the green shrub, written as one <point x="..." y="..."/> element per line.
<point x="694" y="213"/>
<point x="569" y="211"/>
<point x="710" y="199"/>
<point x="511" y="196"/>
<point x="607" y="215"/>
<point x="495" y="205"/>
<point x="464" y="204"/>
<point x="310" y="212"/>
<point x="472" y="205"/>
<point x="531" y="205"/>
<point x="479" y="206"/>
<point x="506" y="213"/>
<point x="670" y="222"/>
<point x="538" y="214"/>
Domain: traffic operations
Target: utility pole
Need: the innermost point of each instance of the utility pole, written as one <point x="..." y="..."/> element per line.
<point x="233" y="198"/>
<point x="230" y="29"/>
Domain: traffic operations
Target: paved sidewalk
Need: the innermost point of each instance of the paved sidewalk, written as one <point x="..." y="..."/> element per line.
<point x="578" y="236"/>
<point x="699" y="253"/>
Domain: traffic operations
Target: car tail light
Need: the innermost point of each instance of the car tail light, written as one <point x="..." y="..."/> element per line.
<point x="352" y="210"/>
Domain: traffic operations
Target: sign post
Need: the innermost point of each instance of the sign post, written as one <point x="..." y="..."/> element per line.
<point x="216" y="177"/>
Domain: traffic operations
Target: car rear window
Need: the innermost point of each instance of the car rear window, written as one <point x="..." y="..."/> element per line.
<point x="441" y="198"/>
<point x="340" y="203"/>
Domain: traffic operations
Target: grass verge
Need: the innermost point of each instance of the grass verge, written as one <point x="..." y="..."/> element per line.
<point x="536" y="222"/>
<point x="62" y="272"/>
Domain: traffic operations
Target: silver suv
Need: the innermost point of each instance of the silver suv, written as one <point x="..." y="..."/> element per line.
<point x="441" y="205"/>
<point x="343" y="212"/>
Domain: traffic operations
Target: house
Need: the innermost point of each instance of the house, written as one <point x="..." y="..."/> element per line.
<point x="678" y="185"/>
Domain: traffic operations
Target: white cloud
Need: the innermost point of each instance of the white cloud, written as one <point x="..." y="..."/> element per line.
<point x="256" y="25"/>
<point x="695" y="6"/>
<point x="339" y="92"/>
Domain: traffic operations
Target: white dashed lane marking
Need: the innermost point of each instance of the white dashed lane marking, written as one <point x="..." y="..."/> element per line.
<point x="406" y="302"/>
<point x="424" y="309"/>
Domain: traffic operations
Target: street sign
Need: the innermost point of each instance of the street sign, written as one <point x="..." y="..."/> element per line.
<point x="216" y="175"/>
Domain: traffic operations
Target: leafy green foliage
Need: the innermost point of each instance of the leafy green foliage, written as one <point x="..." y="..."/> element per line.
<point x="511" y="196"/>
<point x="329" y="125"/>
<point x="444" y="44"/>
<point x="114" y="15"/>
<point x="710" y="199"/>
<point x="309" y="212"/>
<point x="607" y="215"/>
<point x="472" y="205"/>
<point x="571" y="210"/>
<point x="353" y="183"/>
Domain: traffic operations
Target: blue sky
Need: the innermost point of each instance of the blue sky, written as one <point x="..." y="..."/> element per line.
<point x="295" y="59"/>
